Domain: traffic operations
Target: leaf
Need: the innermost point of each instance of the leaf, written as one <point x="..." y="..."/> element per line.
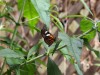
<point x="33" y="49"/>
<point x="78" y="69"/>
<point x="56" y="46"/>
<point x="28" y="69"/>
<point x="65" y="52"/>
<point x="8" y="53"/>
<point x="74" y="46"/>
<point x="41" y="62"/>
<point x="52" y="68"/>
<point x="29" y="12"/>
<point x="42" y="7"/>
<point x="86" y="25"/>
<point x="13" y="62"/>
<point x="98" y="25"/>
<point x="97" y="64"/>
<point x="86" y="6"/>
<point x="1" y="47"/>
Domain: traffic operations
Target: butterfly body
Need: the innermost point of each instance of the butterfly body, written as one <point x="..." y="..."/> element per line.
<point x="48" y="37"/>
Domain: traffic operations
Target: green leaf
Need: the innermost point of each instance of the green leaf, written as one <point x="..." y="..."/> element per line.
<point x="65" y="52"/>
<point x="74" y="46"/>
<point x="97" y="64"/>
<point x="56" y="46"/>
<point x="52" y="68"/>
<point x="86" y="6"/>
<point x="1" y="47"/>
<point x="1" y="2"/>
<point x="98" y="24"/>
<point x="8" y="53"/>
<point x="12" y="62"/>
<point x="86" y="25"/>
<point x="28" y="69"/>
<point x="33" y="50"/>
<point x="41" y="62"/>
<point x="29" y="12"/>
<point x="17" y="70"/>
<point x="78" y="69"/>
<point x="42" y="7"/>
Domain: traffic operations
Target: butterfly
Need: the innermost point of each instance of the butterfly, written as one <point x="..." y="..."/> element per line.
<point x="48" y="37"/>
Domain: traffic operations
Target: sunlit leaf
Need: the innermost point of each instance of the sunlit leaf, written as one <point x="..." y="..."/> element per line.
<point x="29" y="12"/>
<point x="86" y="25"/>
<point x="42" y="7"/>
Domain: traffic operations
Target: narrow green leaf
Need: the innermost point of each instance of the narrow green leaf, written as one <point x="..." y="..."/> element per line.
<point x="78" y="69"/>
<point x="98" y="24"/>
<point x="59" y="24"/>
<point x="33" y="49"/>
<point x="17" y="70"/>
<point x="56" y="46"/>
<point x="97" y="64"/>
<point x="8" y="53"/>
<point x="42" y="7"/>
<point x="52" y="68"/>
<point x="41" y="62"/>
<point x="86" y="6"/>
<point x="65" y="52"/>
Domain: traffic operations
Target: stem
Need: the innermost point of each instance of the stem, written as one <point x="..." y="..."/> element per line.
<point x="77" y="16"/>
<point x="86" y="33"/>
<point x="21" y="10"/>
<point x="3" y="66"/>
<point x="31" y="19"/>
<point x="34" y="59"/>
<point x="15" y="30"/>
<point x="62" y="47"/>
<point x="13" y="37"/>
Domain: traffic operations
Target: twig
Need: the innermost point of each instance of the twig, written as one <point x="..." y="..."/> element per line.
<point x="17" y="24"/>
<point x="86" y="33"/>
<point x="34" y="59"/>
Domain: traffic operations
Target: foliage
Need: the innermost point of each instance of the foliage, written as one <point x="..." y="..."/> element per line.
<point x="23" y="62"/>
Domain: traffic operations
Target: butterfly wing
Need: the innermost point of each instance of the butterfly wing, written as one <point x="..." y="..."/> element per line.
<point x="48" y="37"/>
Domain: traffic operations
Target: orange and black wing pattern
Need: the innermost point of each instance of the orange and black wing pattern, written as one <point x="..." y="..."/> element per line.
<point x="48" y="37"/>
